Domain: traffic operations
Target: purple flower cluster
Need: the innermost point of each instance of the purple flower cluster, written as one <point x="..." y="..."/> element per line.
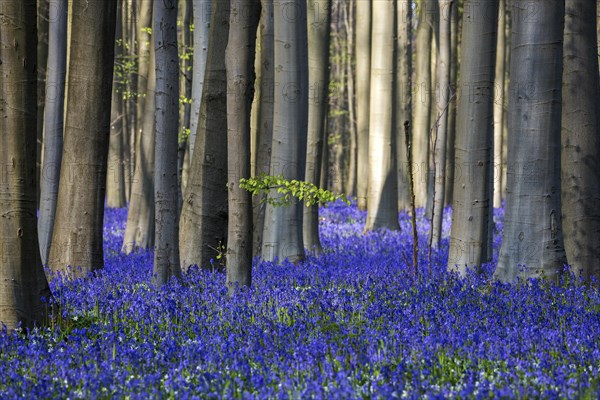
<point x="351" y="323"/>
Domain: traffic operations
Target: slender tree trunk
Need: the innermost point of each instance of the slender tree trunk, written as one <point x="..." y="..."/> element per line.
<point x="282" y="236"/>
<point x="440" y="131"/>
<point x="382" y="199"/>
<point x="532" y="221"/>
<point x="203" y="224"/>
<point x="139" y="230"/>
<point x="349" y="66"/>
<point x="319" y="23"/>
<point x="53" y="124"/>
<point x="77" y="234"/>
<point x="499" y="104"/>
<point x="474" y="134"/>
<point x="22" y="279"/>
<point x="580" y="139"/>
<point x="450" y="157"/>
<point x="363" y="79"/>
<point x="202" y="11"/>
<point x="265" y="117"/>
<point x="422" y="101"/>
<point x="43" y="44"/>
<point x="166" y="247"/>
<point x="144" y="23"/>
<point x="239" y="58"/>
<point x="403" y="96"/>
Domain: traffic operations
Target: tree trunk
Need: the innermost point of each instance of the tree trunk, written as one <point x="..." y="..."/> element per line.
<point x="239" y="59"/>
<point x="348" y="17"/>
<point x="144" y="22"/>
<point x="403" y="96"/>
<point x="22" y="279"/>
<point x="319" y="23"/>
<point x="282" y="235"/>
<point x="532" y="221"/>
<point x="53" y="124"/>
<point x="440" y="131"/>
<point x="474" y="134"/>
<point x="499" y="104"/>
<point x="77" y="234"/>
<point x="265" y="117"/>
<point x="201" y="14"/>
<point x="139" y="230"/>
<point x="451" y="139"/>
<point x="203" y="224"/>
<point x="422" y="101"/>
<point x="166" y="233"/>
<point x="580" y="140"/>
<point x="382" y="199"/>
<point x="363" y="79"/>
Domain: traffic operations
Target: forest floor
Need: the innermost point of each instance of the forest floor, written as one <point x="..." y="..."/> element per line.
<point x="352" y="323"/>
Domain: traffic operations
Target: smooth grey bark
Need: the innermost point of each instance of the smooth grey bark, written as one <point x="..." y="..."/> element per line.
<point x="282" y="235"/>
<point x="202" y="11"/>
<point x="203" y="223"/>
<point x="264" y="136"/>
<point x="422" y="101"/>
<point x="499" y="101"/>
<point x="166" y="233"/>
<point x="532" y="221"/>
<point x="53" y="123"/>
<point x="403" y="96"/>
<point x="239" y="58"/>
<point x="22" y="279"/>
<point x="382" y="198"/>
<point x="139" y="230"/>
<point x="474" y="134"/>
<point x="115" y="176"/>
<point x="581" y="139"/>
<point x="77" y="234"/>
<point x="443" y="99"/>
<point x="450" y="161"/>
<point x="144" y="39"/>
<point x="363" y="79"/>
<point x="319" y="22"/>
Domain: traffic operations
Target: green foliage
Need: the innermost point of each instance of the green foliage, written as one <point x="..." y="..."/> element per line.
<point x="288" y="189"/>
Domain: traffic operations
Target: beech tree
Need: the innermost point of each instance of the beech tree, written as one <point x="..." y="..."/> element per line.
<point x="532" y="221"/>
<point x="77" y="234"/>
<point x="22" y="279"/>
<point x="580" y="139"/>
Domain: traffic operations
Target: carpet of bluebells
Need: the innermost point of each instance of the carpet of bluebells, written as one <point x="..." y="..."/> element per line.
<point x="351" y="323"/>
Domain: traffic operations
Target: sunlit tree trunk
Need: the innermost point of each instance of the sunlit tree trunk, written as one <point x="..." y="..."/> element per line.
<point x="203" y="224"/>
<point x="22" y="279"/>
<point x="363" y="79"/>
<point x="319" y="14"/>
<point x="499" y="104"/>
<point x="382" y="199"/>
<point x="581" y="139"/>
<point x="166" y="246"/>
<point x="532" y="220"/>
<point x="282" y="235"/>
<point x="239" y="59"/>
<point x="474" y="134"/>
<point x="77" y="234"/>
<point x="53" y="124"/>
<point x="451" y="139"/>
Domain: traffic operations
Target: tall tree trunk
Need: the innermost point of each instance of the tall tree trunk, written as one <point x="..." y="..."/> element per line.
<point x="203" y="224"/>
<point x="580" y="139"/>
<point x="265" y="117"/>
<point x="451" y="139"/>
<point x="77" y="234"/>
<point x="43" y="44"/>
<point x="363" y="79"/>
<point x="382" y="199"/>
<point x="319" y="23"/>
<point x="532" y="221"/>
<point x="403" y="96"/>
<point x="282" y="235"/>
<point x="442" y="105"/>
<point x="499" y="103"/>
<point x="144" y="22"/>
<point x="166" y="247"/>
<point x="139" y="230"/>
<point x="22" y="279"/>
<point x="239" y="59"/>
<point x="349" y="16"/>
<point x="53" y="124"/>
<point x="422" y="101"/>
<point x="474" y="134"/>
<point x="202" y="15"/>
